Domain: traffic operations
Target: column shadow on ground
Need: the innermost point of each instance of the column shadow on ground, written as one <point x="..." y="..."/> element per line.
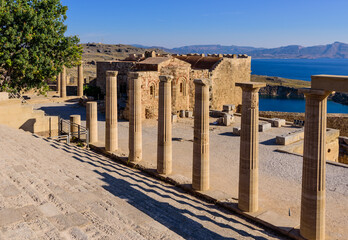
<point x="164" y="213"/>
<point x="116" y="187"/>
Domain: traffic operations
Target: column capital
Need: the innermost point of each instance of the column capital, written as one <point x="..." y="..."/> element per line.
<point x="315" y="93"/>
<point x="203" y="81"/>
<point x="166" y="78"/>
<point x="111" y="73"/>
<point x="250" y="86"/>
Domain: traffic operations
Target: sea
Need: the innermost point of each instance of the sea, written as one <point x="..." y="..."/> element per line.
<point x="300" y="69"/>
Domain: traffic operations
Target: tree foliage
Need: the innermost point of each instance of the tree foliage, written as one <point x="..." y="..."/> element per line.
<point x="33" y="46"/>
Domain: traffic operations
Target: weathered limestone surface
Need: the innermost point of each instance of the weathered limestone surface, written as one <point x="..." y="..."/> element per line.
<point x="63" y="83"/>
<point x="164" y="136"/>
<point x="80" y="80"/>
<point x="200" y="168"/>
<point x="135" y="118"/>
<point x="64" y="192"/>
<point x="312" y="224"/>
<point x="92" y="121"/>
<point x="248" y="166"/>
<point x="330" y="82"/>
<point x="111" y="136"/>
<point x="75" y="121"/>
<point x="58" y="83"/>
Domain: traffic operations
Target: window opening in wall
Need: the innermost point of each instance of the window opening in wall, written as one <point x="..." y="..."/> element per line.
<point x="152" y="90"/>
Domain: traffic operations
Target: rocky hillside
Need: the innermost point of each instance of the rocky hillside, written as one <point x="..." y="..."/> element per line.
<point x="334" y="50"/>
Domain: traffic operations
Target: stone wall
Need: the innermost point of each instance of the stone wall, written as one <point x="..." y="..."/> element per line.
<point x="336" y="121"/>
<point x="22" y="116"/>
<point x="224" y="76"/>
<point x="122" y="67"/>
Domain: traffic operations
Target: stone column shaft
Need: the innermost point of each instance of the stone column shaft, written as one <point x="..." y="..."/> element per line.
<point x="63" y="83"/>
<point x="92" y="121"/>
<point x="248" y="164"/>
<point x="135" y="118"/>
<point x="312" y="223"/>
<point x="75" y="120"/>
<point x="111" y="138"/>
<point x="200" y="171"/>
<point x="164" y="136"/>
<point x="58" y="83"/>
<point x="80" y="80"/>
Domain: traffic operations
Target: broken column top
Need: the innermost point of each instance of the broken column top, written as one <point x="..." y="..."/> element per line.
<point x="111" y="73"/>
<point x="330" y="82"/>
<point x="204" y="81"/>
<point x="250" y="85"/>
<point x="166" y="78"/>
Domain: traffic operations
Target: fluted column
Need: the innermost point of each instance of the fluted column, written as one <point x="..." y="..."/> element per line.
<point x="111" y="143"/>
<point x="200" y="168"/>
<point x="249" y="144"/>
<point x="58" y="83"/>
<point x="92" y="121"/>
<point x="80" y="80"/>
<point x="312" y="223"/>
<point x="63" y="83"/>
<point x="135" y="118"/>
<point x="164" y="136"/>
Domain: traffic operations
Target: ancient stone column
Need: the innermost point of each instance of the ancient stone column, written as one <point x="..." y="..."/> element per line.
<point x="249" y="142"/>
<point x="58" y="83"/>
<point x="312" y="224"/>
<point x="200" y="168"/>
<point x="111" y="143"/>
<point x="92" y="121"/>
<point x="164" y="136"/>
<point x="135" y="118"/>
<point x="80" y="80"/>
<point x="63" y="83"/>
<point x="75" y="121"/>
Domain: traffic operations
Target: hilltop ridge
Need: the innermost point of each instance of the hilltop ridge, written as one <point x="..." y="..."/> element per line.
<point x="334" y="50"/>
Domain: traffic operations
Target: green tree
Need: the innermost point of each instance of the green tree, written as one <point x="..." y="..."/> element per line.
<point x="33" y="46"/>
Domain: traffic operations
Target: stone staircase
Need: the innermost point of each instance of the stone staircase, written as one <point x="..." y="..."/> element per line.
<point x="50" y="190"/>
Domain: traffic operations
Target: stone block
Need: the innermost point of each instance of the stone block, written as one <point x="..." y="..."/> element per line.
<point x="330" y="82"/>
<point x="182" y="113"/>
<point x="277" y="122"/>
<point x="228" y="119"/>
<point x="236" y="131"/>
<point x="9" y="216"/>
<point x="264" y="126"/>
<point x="49" y="210"/>
<point x="228" y="107"/>
<point x="289" y="138"/>
<point x="174" y="118"/>
<point x="188" y="114"/>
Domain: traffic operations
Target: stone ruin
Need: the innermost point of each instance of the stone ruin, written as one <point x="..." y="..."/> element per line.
<point x="312" y="220"/>
<point x="224" y="70"/>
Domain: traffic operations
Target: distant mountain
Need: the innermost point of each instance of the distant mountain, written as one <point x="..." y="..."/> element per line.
<point x="334" y="50"/>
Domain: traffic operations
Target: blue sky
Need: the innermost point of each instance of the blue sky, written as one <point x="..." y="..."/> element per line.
<point x="175" y="23"/>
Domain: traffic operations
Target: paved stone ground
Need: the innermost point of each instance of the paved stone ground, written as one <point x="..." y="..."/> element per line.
<point x="280" y="174"/>
<point x="49" y="190"/>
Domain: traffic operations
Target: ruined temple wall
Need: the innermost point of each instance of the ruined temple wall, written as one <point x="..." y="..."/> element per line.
<point x="196" y="74"/>
<point x="180" y="86"/>
<point x="224" y="76"/>
<point x="122" y="67"/>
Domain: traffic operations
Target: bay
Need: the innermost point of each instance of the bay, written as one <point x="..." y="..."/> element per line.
<point x="300" y="69"/>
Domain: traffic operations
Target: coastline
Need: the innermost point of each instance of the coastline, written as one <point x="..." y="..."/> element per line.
<point x="288" y="88"/>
